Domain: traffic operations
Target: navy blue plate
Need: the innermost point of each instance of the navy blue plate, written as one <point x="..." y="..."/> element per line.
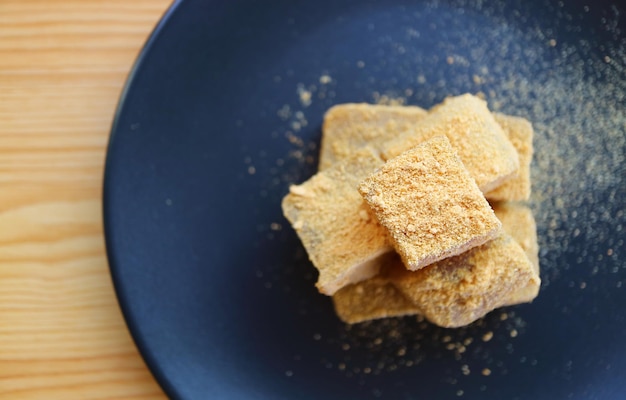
<point x="223" y="111"/>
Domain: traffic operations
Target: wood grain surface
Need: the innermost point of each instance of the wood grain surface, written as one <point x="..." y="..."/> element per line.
<point x="62" y="67"/>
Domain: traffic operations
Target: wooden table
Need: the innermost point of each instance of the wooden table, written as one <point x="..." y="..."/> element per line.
<point x="62" y="66"/>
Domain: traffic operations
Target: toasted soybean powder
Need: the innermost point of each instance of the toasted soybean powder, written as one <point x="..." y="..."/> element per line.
<point x="573" y="91"/>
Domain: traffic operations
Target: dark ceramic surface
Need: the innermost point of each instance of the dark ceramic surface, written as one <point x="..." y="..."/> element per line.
<point x="212" y="280"/>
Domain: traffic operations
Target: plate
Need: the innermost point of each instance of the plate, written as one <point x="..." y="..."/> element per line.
<point x="222" y="112"/>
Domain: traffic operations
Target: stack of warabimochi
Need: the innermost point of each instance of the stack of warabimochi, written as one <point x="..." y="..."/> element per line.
<point x="420" y="212"/>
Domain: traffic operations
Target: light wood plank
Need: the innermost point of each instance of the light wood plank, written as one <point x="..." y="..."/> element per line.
<point x="62" y="67"/>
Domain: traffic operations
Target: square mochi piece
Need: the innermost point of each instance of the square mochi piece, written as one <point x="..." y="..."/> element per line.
<point x="473" y="132"/>
<point x="371" y="299"/>
<point x="341" y="236"/>
<point x="520" y="133"/>
<point x="349" y="127"/>
<point x="457" y="291"/>
<point x="518" y="221"/>
<point x="429" y="204"/>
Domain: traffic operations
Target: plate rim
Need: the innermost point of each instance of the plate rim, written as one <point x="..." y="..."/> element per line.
<point x="122" y="296"/>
